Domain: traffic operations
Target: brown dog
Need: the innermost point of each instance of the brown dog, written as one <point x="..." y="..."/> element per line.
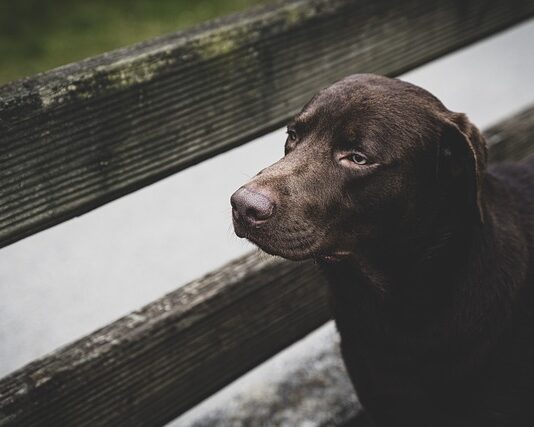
<point x="429" y="254"/>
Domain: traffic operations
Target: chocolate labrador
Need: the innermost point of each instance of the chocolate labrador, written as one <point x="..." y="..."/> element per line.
<point x="428" y="252"/>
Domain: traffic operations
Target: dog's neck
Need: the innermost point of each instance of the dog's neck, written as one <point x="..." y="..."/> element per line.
<point x="442" y="270"/>
<point x="421" y="258"/>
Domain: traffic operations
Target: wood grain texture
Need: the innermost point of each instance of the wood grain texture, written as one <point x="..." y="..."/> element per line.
<point x="79" y="136"/>
<point x="313" y="390"/>
<point x="512" y="139"/>
<point x="152" y="365"/>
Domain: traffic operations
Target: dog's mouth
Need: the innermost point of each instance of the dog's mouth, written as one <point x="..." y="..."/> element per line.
<point x="289" y="243"/>
<point x="241" y="230"/>
<point x="277" y="241"/>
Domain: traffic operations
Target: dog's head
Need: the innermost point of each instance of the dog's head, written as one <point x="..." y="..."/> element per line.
<point x="366" y="159"/>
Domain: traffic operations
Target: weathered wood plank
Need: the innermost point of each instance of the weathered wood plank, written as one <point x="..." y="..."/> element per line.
<point x="79" y="136"/>
<point x="512" y="139"/>
<point x="313" y="390"/>
<point x="153" y="364"/>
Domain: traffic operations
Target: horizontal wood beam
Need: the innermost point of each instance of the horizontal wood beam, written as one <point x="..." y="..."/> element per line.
<point x="152" y="365"/>
<point x="84" y="134"/>
<point x="513" y="138"/>
<point x="313" y="390"/>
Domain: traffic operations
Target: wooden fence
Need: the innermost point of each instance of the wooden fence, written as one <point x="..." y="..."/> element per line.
<point x="82" y="135"/>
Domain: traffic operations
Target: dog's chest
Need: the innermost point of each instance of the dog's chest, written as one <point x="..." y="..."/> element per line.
<point x="410" y="336"/>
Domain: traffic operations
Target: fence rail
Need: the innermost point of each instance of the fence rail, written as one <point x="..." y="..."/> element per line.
<point x="152" y="365"/>
<point x="82" y="135"/>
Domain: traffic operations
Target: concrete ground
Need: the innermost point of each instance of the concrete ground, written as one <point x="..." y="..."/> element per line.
<point x="69" y="280"/>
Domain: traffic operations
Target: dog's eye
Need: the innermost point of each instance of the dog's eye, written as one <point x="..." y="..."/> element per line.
<point x="291" y="135"/>
<point x="358" y="159"/>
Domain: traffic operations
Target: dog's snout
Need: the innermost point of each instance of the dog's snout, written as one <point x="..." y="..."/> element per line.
<point x="251" y="206"/>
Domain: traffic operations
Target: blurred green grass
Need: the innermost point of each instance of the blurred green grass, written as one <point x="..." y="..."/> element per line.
<point x="37" y="35"/>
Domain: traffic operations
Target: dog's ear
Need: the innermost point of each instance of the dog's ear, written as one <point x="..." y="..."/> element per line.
<point x="463" y="152"/>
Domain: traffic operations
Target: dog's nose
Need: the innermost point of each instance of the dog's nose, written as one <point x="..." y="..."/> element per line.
<point x="251" y="207"/>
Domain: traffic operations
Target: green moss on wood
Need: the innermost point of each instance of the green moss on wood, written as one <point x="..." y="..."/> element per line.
<point x="140" y="70"/>
<point x="217" y="44"/>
